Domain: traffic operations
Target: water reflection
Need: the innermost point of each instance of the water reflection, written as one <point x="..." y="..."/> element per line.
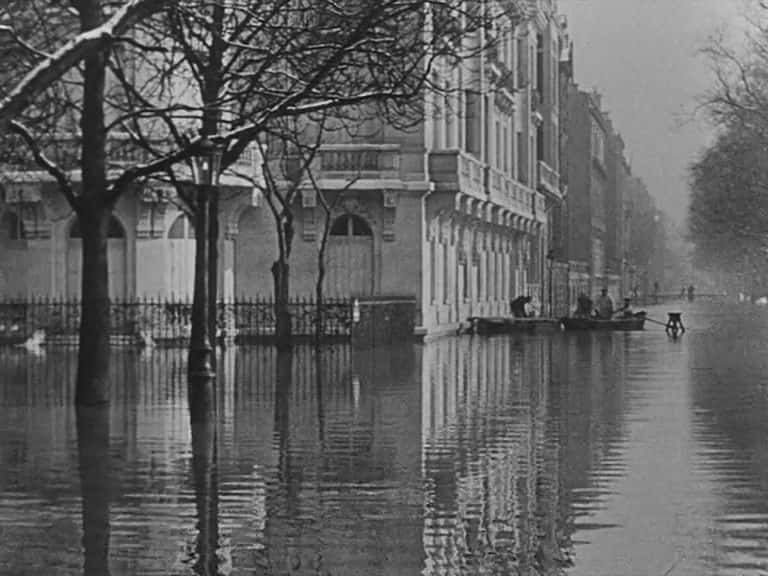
<point x="587" y="453"/>
<point x="95" y="486"/>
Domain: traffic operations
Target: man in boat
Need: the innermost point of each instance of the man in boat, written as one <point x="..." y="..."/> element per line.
<point x="583" y="306"/>
<point x="626" y="309"/>
<point x="604" y="305"/>
<point x="518" y="306"/>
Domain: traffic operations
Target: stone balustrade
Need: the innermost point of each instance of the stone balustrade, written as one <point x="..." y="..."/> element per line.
<point x="549" y="179"/>
<point x="360" y="160"/>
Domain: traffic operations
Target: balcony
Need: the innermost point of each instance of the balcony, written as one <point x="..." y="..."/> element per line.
<point x="360" y="161"/>
<point x="549" y="181"/>
<point x="510" y="194"/>
<point x="457" y="170"/>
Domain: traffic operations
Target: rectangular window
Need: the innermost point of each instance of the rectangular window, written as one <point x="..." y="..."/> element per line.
<point x="540" y="64"/>
<point x="505" y="150"/>
<point x="433" y="272"/>
<point x="498" y="145"/>
<point x="446" y="274"/>
<point x="471" y="117"/>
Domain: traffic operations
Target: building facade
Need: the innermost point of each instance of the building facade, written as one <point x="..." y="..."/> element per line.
<point x="455" y="212"/>
<point x="459" y="212"/>
<point x="587" y="184"/>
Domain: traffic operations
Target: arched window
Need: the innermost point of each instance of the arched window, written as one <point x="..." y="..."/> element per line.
<point x="181" y="228"/>
<point x="12" y="226"/>
<point x="350" y="225"/>
<point x="115" y="229"/>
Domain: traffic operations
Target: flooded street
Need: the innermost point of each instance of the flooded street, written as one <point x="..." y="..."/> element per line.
<point x="596" y="454"/>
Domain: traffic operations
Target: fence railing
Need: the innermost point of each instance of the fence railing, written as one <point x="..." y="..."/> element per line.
<point x="168" y="321"/>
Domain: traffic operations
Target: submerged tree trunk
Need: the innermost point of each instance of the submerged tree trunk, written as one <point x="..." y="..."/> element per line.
<point x="94" y="350"/>
<point x="319" y="297"/>
<point x="94" y="213"/>
<point x="281" y="277"/>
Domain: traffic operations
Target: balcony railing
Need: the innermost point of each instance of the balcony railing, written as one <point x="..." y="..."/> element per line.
<point x="549" y="179"/>
<point x="360" y="160"/>
<point x="458" y="169"/>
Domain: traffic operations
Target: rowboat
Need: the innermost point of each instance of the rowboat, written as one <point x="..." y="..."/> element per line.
<point x="635" y="322"/>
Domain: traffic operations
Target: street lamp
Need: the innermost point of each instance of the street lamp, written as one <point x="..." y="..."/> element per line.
<point x="205" y="165"/>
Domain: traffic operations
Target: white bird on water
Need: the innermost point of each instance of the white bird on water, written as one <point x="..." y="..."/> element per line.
<point x="35" y="342"/>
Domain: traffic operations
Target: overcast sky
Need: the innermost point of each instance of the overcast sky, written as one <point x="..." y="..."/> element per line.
<point x="643" y="56"/>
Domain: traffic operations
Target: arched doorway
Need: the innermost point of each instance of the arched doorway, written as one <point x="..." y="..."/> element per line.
<point x="349" y="258"/>
<point x="116" y="255"/>
<point x="181" y="258"/>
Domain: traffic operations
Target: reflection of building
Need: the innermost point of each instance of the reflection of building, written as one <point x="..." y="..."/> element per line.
<point x="484" y="417"/>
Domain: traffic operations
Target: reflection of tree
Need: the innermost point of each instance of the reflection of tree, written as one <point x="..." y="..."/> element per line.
<point x="202" y="410"/>
<point x="95" y="485"/>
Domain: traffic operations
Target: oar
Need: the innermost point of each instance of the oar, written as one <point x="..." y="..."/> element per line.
<point x="655" y="321"/>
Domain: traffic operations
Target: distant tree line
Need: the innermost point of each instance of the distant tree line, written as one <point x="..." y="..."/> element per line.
<point x="727" y="217"/>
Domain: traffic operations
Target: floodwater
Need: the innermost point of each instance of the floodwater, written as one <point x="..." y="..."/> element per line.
<point x="591" y="454"/>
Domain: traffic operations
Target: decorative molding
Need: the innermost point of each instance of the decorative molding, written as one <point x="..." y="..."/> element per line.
<point x="150" y="222"/>
<point x="389" y="198"/>
<point x="388" y="225"/>
<point x="231" y="230"/>
<point x="309" y="224"/>
<point x="308" y="198"/>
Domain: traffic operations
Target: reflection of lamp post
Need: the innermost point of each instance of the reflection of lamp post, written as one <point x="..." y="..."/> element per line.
<point x="550" y="263"/>
<point x="205" y="174"/>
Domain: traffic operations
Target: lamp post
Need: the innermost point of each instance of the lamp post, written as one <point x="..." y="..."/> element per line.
<point x="205" y="174"/>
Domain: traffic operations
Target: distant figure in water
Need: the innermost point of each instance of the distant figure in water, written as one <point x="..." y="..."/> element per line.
<point x="604" y="305"/>
<point x="682" y="291"/>
<point x="518" y="306"/>
<point x="655" y="292"/>
<point x="583" y="306"/>
<point x="690" y="293"/>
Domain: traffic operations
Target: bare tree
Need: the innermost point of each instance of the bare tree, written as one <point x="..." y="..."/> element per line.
<point x="50" y="66"/>
<point x="220" y="71"/>
<point x="260" y="65"/>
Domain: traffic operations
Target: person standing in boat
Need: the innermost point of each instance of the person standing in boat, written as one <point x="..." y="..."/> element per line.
<point x="584" y="306"/>
<point x="519" y="305"/>
<point x="604" y="305"/>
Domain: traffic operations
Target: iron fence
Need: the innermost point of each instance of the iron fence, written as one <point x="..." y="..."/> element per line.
<point x="168" y="321"/>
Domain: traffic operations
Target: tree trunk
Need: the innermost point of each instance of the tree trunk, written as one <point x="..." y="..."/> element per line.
<point x="280" y="276"/>
<point x="213" y="271"/>
<point x="200" y="350"/>
<point x="319" y="296"/>
<point x="94" y="351"/>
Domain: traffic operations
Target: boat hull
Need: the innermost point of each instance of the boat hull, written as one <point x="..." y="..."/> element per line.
<point x="620" y="324"/>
